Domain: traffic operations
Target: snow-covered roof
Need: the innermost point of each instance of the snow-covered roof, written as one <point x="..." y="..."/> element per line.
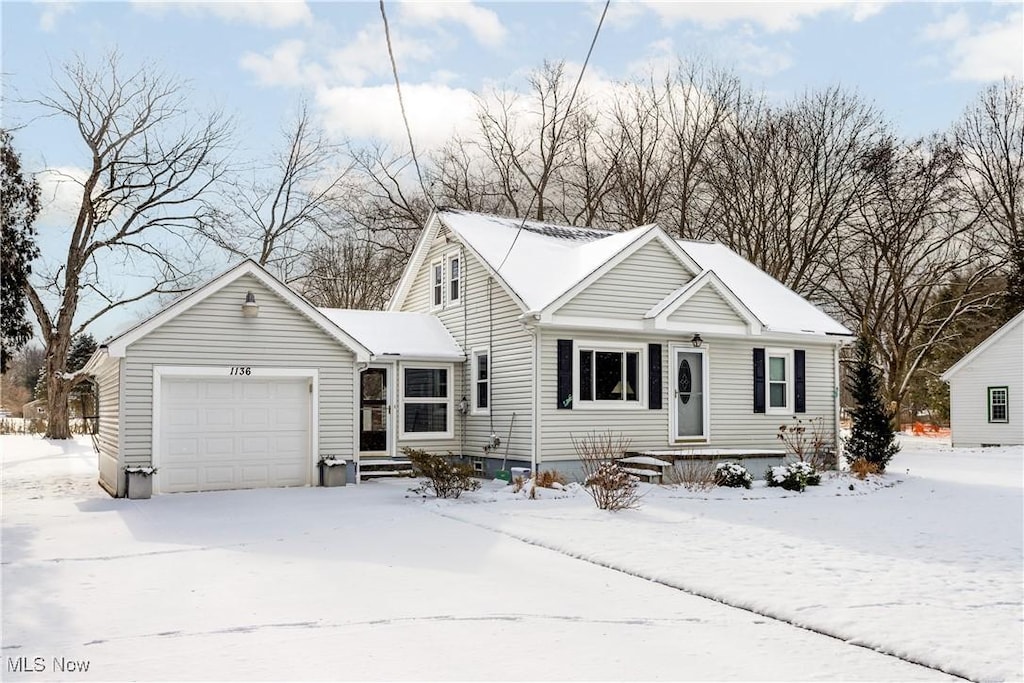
<point x="388" y="333"/>
<point x="543" y="261"/>
<point x="776" y="305"/>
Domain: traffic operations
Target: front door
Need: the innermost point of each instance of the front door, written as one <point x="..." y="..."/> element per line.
<point x="689" y="391"/>
<point x="373" y="411"/>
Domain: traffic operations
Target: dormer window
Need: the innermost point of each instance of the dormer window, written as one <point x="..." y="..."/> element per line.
<point x="454" y="278"/>
<point x="437" y="284"/>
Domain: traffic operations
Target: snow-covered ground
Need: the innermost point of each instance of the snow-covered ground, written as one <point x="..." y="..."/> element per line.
<point x="367" y="583"/>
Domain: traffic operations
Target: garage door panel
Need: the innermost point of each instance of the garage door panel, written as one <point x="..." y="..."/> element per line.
<point x="223" y="433"/>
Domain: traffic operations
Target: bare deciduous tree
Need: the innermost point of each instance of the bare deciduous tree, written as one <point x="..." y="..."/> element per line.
<point x="284" y="207"/>
<point x="349" y="272"/>
<point x="151" y="167"/>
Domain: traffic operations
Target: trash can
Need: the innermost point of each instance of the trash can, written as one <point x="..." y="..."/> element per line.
<point x="523" y="472"/>
<point x="335" y="473"/>
<point x="139" y="485"/>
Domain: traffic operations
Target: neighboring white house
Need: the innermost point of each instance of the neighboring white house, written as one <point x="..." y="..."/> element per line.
<point x="986" y="390"/>
<point x="503" y="341"/>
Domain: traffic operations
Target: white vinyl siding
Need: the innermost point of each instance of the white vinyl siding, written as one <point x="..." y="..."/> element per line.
<point x="214" y="333"/>
<point x="491" y="317"/>
<point x="999" y="365"/>
<point x="733" y="423"/>
<point x="631" y="288"/>
<point x="707" y="306"/>
<point x="108" y="387"/>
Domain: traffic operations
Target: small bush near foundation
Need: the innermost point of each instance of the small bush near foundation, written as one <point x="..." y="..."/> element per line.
<point x="442" y="477"/>
<point x="692" y="475"/>
<point x="732" y="475"/>
<point x="551" y="479"/>
<point x="796" y="476"/>
<point x="612" y="488"/>
<point x="862" y="467"/>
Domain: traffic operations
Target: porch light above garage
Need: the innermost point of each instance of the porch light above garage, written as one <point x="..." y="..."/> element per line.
<point x="250" y="309"/>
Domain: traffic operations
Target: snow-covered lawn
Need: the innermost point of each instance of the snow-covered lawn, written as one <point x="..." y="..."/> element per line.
<point x="367" y="583"/>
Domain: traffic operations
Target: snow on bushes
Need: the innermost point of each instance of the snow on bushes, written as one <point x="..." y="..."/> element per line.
<point x="612" y="488"/>
<point x="796" y="476"/>
<point x="732" y="475"/>
<point x="443" y="477"/>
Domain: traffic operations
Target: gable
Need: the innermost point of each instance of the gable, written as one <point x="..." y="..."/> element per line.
<point x="632" y="287"/>
<point x="707" y="306"/>
<point x="215" y="325"/>
<point x="1005" y="344"/>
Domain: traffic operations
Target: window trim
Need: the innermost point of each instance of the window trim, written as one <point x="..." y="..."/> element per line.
<point x="790" y="380"/>
<point x="474" y="381"/>
<point x="449" y="401"/>
<point x="621" y="347"/>
<point x="449" y="280"/>
<point x="434" y="285"/>
<point x="1006" y="403"/>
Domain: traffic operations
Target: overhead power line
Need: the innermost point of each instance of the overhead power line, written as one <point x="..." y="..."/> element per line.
<point x="558" y="134"/>
<point x="401" y="103"/>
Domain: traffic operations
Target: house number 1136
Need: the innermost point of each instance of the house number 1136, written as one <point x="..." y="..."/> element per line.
<point x="236" y="370"/>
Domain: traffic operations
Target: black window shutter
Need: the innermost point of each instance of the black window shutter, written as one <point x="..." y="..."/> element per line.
<point x="565" y="374"/>
<point x="800" y="381"/>
<point x="758" y="380"/>
<point x="654" y="376"/>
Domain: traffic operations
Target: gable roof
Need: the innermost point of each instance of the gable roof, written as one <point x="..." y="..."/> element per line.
<point x="706" y="280"/>
<point x="116" y="346"/>
<point x="980" y="348"/>
<point x="419" y="336"/>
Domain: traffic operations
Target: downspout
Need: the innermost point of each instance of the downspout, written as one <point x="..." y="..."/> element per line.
<point x="529" y="323"/>
<point x="835" y="405"/>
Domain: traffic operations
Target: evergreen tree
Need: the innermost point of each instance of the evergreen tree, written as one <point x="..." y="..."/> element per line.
<point x="872" y="437"/>
<point x="19" y="206"/>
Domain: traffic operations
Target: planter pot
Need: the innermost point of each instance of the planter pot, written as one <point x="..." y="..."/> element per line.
<point x="334" y="476"/>
<point x="140" y="485"/>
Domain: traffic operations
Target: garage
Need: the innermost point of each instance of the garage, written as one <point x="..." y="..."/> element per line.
<point x="242" y="432"/>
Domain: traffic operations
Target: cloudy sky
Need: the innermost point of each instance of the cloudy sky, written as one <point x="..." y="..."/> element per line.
<point x="921" y="63"/>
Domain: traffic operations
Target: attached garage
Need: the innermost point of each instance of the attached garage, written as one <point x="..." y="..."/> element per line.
<point x="239" y="384"/>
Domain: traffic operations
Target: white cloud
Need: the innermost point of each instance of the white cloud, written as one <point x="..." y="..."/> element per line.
<point x="60" y="192"/>
<point x="484" y="24"/>
<point x="759" y="59"/>
<point x="284" y="66"/>
<point x="52" y="11"/>
<point x="266" y="13"/>
<point x="980" y="52"/>
<point x="769" y="16"/>
<point x="367" y="55"/>
<point x="435" y="111"/>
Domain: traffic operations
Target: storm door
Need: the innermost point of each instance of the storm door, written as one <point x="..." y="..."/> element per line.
<point x="373" y="411"/>
<point x="690" y="394"/>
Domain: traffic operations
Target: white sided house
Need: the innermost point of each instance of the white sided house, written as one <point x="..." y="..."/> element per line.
<point x="504" y="342"/>
<point x="986" y="390"/>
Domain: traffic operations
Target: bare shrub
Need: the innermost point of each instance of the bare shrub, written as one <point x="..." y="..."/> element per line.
<point x="548" y="478"/>
<point x="808" y="441"/>
<point x="609" y="485"/>
<point x="692" y="475"/>
<point x="862" y="467"/>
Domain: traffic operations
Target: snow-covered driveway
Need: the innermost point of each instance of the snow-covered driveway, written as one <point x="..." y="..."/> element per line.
<point x="353" y="583"/>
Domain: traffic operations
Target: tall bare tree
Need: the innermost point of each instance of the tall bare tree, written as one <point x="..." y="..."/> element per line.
<point x="990" y="137"/>
<point x="150" y="167"/>
<point x="348" y="271"/>
<point x="284" y="206"/>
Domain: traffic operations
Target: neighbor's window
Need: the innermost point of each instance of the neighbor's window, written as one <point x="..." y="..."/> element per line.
<point x="998" y="404"/>
<point x="426" y="402"/>
<point x="780" y="380"/>
<point x="609" y="375"/>
<point x="454" y="278"/>
<point x="481" y="382"/>
<point x="437" y="288"/>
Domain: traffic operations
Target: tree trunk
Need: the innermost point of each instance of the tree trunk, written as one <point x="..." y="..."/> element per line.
<point x="57" y="393"/>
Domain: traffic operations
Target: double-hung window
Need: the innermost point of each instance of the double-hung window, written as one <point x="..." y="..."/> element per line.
<point x="998" y="404"/>
<point x="437" y="284"/>
<point x="426" y="402"/>
<point x="481" y="390"/>
<point x="454" y="278"/>
<point x="779" y="385"/>
<point x="609" y="375"/>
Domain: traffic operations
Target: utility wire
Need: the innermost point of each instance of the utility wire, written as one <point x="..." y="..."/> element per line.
<point x="558" y="134"/>
<point x="401" y="103"/>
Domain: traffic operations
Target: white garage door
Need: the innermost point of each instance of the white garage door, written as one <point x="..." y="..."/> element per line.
<point x="233" y="433"/>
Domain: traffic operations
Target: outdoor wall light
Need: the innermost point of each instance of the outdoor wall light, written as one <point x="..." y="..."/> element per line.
<point x="696" y="341"/>
<point x="250" y="309"/>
